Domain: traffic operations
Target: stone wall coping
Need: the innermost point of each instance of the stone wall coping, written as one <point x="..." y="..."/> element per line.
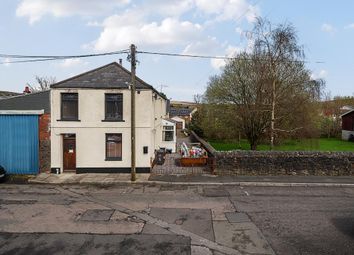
<point x="290" y="153"/>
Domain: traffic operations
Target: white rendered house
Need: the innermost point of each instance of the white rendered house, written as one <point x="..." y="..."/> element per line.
<point x="91" y="122"/>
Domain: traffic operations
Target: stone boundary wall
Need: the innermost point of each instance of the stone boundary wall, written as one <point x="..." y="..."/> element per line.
<point x="284" y="163"/>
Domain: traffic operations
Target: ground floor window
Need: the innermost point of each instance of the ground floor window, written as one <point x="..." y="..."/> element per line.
<point x="113" y="146"/>
<point x="167" y="133"/>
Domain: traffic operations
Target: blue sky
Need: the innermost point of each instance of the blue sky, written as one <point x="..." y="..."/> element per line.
<point x="67" y="27"/>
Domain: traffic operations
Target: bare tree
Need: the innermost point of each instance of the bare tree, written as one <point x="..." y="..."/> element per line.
<point x="279" y="48"/>
<point x="43" y="83"/>
<point x="270" y="87"/>
<point x="242" y="85"/>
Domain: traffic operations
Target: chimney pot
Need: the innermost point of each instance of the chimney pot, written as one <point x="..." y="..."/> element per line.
<point x="27" y="90"/>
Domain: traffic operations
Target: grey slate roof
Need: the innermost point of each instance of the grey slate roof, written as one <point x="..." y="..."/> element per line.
<point x="111" y="76"/>
<point x="33" y="101"/>
<point x="180" y="111"/>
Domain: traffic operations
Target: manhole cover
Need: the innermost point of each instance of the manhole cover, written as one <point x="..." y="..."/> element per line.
<point x="97" y="215"/>
<point x="234" y="217"/>
<point x="216" y="192"/>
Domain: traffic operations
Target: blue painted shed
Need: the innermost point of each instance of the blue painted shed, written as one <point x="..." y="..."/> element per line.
<point x="19" y="142"/>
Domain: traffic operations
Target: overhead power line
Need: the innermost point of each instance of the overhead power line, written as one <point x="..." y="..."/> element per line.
<point x="184" y="55"/>
<point x="27" y="61"/>
<point x="43" y="58"/>
<point x="215" y="57"/>
<point x="64" y="56"/>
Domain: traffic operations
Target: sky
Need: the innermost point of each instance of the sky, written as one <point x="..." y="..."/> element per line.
<point x="71" y="27"/>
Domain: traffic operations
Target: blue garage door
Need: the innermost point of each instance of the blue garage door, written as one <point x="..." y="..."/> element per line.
<point x="19" y="143"/>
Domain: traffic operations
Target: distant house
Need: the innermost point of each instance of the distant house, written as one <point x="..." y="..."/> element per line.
<point x="181" y="123"/>
<point x="91" y="122"/>
<point x="185" y="112"/>
<point x="7" y="94"/>
<point x="348" y="125"/>
<point x="25" y="133"/>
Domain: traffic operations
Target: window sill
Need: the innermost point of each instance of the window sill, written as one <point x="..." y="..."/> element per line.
<point x="113" y="120"/>
<point x="113" y="159"/>
<point x="68" y="120"/>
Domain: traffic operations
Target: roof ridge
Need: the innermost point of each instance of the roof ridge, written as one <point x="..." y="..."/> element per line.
<point x="82" y="74"/>
<point x="25" y="94"/>
<point x="104" y="66"/>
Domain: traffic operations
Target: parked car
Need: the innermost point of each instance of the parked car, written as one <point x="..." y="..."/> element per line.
<point x="2" y="174"/>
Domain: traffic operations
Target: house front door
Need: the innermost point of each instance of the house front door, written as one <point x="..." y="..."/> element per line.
<point x="69" y="153"/>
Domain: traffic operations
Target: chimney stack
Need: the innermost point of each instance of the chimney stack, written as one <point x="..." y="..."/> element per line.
<point x="120" y="61"/>
<point x="27" y="90"/>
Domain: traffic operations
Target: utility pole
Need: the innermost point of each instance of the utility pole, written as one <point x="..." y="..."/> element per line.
<point x="133" y="68"/>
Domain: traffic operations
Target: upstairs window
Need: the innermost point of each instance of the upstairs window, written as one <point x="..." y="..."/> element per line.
<point x="114" y="107"/>
<point x="167" y="133"/>
<point x="69" y="106"/>
<point x="113" y="146"/>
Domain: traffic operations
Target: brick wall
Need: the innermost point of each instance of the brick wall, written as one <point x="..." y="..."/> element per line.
<point x="284" y="163"/>
<point x="44" y="143"/>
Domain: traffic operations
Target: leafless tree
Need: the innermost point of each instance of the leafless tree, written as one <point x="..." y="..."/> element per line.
<point x="43" y="83"/>
<point x="270" y="87"/>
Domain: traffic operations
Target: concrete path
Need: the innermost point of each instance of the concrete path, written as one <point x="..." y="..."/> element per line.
<point x="198" y="179"/>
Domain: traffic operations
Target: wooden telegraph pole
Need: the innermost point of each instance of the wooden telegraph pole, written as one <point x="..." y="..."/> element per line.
<point x="133" y="88"/>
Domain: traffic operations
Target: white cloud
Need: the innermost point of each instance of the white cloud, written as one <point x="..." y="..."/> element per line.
<point x="72" y="62"/>
<point x="230" y="51"/>
<point x="322" y="74"/>
<point x="172" y="8"/>
<point x="239" y="30"/>
<point x="7" y="61"/>
<point x="328" y="28"/>
<point x="151" y="24"/>
<point x="350" y="26"/>
<point x="34" y="10"/>
<point x="141" y="26"/>
<point x="119" y="31"/>
<point x="228" y="9"/>
<point x="222" y="10"/>
<point x="94" y="24"/>
<point x="208" y="46"/>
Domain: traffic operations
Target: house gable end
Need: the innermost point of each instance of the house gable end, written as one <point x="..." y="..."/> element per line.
<point x="111" y="76"/>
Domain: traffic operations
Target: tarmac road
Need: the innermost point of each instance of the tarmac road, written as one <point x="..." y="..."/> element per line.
<point x="175" y="219"/>
<point x="300" y="220"/>
<point x="66" y="243"/>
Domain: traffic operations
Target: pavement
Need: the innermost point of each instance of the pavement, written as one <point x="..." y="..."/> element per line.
<point x="200" y="179"/>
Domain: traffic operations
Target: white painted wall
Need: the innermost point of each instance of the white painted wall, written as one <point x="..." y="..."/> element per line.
<point x="90" y="130"/>
<point x="346" y="134"/>
<point x="168" y="144"/>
